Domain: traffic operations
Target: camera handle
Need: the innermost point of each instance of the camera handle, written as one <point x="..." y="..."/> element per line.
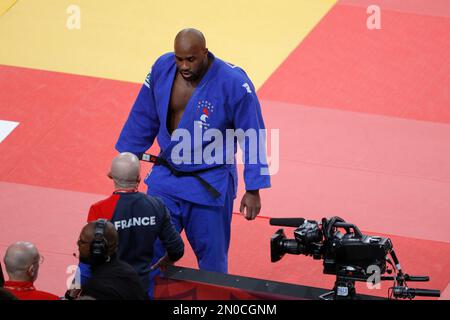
<point x="337" y="222"/>
<point x="400" y="290"/>
<point x="411" y="293"/>
<point x="347" y="227"/>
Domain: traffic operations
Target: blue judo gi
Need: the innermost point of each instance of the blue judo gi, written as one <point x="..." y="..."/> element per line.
<point x="224" y="99"/>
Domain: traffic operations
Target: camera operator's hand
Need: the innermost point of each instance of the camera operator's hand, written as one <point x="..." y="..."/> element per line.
<point x="162" y="263"/>
<point x="252" y="201"/>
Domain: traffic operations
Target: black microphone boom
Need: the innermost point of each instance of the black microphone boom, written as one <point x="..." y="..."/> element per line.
<point x="287" y="222"/>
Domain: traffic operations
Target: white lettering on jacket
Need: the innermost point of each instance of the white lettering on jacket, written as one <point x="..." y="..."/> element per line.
<point x="135" y="222"/>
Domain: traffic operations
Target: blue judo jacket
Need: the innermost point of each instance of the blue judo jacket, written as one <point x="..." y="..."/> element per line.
<point x="224" y="100"/>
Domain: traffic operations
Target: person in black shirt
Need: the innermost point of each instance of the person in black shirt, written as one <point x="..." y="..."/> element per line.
<point x="111" y="278"/>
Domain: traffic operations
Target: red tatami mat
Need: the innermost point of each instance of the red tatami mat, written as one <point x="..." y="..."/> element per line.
<point x="52" y="219"/>
<point x="384" y="174"/>
<point x="68" y="127"/>
<point x="425" y="7"/>
<point x="402" y="70"/>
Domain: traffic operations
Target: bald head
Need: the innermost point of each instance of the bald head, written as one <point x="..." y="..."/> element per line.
<point x="190" y="37"/>
<point x="125" y="170"/>
<point x="22" y="261"/>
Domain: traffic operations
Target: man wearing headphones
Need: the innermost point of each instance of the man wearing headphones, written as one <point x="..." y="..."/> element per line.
<point x="111" y="279"/>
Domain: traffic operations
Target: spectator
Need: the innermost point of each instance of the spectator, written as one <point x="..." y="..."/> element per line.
<point x="111" y="279"/>
<point x="22" y="260"/>
<point x="139" y="219"/>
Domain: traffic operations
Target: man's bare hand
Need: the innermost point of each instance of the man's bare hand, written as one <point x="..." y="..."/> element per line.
<point x="251" y="201"/>
<point x="162" y="263"/>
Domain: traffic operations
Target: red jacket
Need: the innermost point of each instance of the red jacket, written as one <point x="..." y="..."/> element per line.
<point x="26" y="291"/>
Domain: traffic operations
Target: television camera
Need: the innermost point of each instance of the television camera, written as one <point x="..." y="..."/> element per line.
<point x="346" y="253"/>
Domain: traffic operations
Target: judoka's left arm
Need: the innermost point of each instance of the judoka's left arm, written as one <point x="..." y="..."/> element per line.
<point x="142" y="125"/>
<point x="248" y="117"/>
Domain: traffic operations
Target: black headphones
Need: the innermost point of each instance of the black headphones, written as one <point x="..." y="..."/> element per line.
<point x="99" y="246"/>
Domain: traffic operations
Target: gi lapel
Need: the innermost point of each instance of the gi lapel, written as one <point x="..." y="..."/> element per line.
<point x="188" y="117"/>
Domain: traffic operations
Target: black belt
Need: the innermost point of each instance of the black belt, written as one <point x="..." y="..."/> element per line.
<point x="177" y="173"/>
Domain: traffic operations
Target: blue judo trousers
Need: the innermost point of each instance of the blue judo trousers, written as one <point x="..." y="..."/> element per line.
<point x="224" y="99"/>
<point x="207" y="229"/>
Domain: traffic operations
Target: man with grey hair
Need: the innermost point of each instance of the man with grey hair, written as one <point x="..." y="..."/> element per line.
<point x="139" y="220"/>
<point x="22" y="260"/>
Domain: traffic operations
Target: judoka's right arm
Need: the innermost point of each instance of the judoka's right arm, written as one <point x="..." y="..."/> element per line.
<point x="142" y="124"/>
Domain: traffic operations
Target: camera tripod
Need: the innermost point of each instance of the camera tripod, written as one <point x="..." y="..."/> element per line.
<point x="344" y="286"/>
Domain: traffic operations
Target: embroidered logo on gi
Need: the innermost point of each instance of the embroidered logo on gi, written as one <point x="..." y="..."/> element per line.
<point x="247" y="87"/>
<point x="205" y="108"/>
<point x="147" y="79"/>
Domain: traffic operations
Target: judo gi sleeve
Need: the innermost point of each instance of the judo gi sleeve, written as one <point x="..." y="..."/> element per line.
<point x="251" y="135"/>
<point x="142" y="124"/>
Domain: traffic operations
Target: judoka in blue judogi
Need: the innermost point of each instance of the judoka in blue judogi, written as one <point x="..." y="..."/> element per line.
<point x="191" y="101"/>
